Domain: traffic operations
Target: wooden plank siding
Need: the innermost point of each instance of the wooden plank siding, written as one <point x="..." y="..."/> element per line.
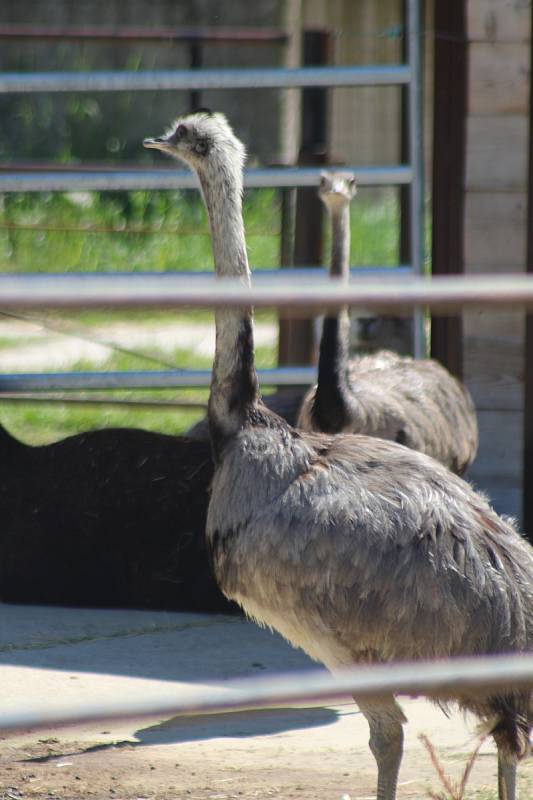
<point x="495" y="231"/>
<point x="498" y="20"/>
<point x="498" y="78"/>
<point x="495" y="235"/>
<point x="488" y="139"/>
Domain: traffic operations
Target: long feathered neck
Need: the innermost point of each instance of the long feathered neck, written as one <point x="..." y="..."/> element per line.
<point x="332" y="394"/>
<point x="234" y="381"/>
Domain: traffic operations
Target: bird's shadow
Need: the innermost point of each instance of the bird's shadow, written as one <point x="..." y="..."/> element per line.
<point x="237" y="725"/>
<point x="179" y="730"/>
<point x="192" y="649"/>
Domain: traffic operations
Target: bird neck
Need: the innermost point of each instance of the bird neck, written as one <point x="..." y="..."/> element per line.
<point x="332" y="393"/>
<point x="234" y="388"/>
<point x="340" y="242"/>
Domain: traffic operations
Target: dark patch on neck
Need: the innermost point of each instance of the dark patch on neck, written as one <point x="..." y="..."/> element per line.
<point x="331" y="404"/>
<point x="243" y="392"/>
<point x="401" y="437"/>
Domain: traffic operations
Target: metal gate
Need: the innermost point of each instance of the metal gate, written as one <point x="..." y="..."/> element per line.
<point x="406" y="75"/>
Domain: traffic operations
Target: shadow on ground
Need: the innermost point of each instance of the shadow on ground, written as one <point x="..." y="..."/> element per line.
<point x="242" y="725"/>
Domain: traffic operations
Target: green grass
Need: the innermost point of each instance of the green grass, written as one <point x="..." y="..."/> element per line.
<point x="43" y="423"/>
<point x="47" y="233"/>
<point x="176" y="235"/>
<point x="52" y="232"/>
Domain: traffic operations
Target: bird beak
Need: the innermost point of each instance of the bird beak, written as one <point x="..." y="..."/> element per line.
<point x="159" y="143"/>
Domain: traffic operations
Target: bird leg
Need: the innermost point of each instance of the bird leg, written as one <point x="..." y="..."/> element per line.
<point x="385" y="719"/>
<point x="506" y="775"/>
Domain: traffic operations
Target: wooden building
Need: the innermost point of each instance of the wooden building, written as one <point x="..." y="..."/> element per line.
<point x="481" y="102"/>
<point x="477" y="105"/>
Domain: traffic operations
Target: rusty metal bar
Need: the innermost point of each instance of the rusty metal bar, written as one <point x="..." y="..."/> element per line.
<point x="126" y="33"/>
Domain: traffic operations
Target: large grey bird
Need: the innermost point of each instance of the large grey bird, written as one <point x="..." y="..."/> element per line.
<point x="413" y="402"/>
<point x="356" y="549"/>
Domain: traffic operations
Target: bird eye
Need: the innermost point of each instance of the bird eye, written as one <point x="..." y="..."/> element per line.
<point x="201" y="147"/>
<point x="180" y="132"/>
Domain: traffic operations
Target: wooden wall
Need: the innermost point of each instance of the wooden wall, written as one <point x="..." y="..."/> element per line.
<point x="498" y="33"/>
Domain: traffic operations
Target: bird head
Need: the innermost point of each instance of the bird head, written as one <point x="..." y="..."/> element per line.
<point x="337" y="188"/>
<point x="202" y="140"/>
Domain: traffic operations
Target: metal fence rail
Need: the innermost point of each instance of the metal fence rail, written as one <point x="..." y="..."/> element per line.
<point x="442" y="294"/>
<point x="204" y="79"/>
<point x="432" y="679"/>
<point x="156" y="379"/>
<point x="402" y="75"/>
<point x="152" y="179"/>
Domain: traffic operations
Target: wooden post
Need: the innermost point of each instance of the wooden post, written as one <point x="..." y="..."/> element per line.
<point x="527" y="478"/>
<point x="449" y="159"/>
<point x="405" y="228"/>
<point x="296" y="340"/>
<point x="195" y="62"/>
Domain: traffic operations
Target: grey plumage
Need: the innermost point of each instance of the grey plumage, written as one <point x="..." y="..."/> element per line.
<point x="285" y="402"/>
<point x="356" y="549"/>
<point x="416" y="403"/>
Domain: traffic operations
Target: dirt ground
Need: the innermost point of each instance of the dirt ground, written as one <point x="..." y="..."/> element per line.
<point x="85" y="655"/>
<point x="263" y="756"/>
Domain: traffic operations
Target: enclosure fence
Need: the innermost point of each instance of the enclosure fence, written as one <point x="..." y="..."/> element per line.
<point x="439" y="679"/>
<point x="408" y="75"/>
<point x="404" y="289"/>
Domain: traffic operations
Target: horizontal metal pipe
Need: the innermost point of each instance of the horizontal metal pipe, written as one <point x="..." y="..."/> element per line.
<point x="204" y="79"/>
<point x="442" y="293"/>
<point x="152" y="179"/>
<point x="140" y="379"/>
<point x="129" y="33"/>
<point x="261" y="276"/>
<point x="125" y="404"/>
<point x="443" y="679"/>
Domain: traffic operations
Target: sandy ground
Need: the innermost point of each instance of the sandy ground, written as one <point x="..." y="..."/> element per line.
<point x="79" y="655"/>
<point x="35" y="349"/>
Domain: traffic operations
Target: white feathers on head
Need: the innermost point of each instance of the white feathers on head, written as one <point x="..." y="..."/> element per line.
<point x="212" y="130"/>
<point x="337" y="187"/>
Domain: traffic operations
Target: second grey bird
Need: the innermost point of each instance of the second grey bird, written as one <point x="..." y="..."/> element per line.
<point x="357" y="550"/>
<point x="416" y="403"/>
